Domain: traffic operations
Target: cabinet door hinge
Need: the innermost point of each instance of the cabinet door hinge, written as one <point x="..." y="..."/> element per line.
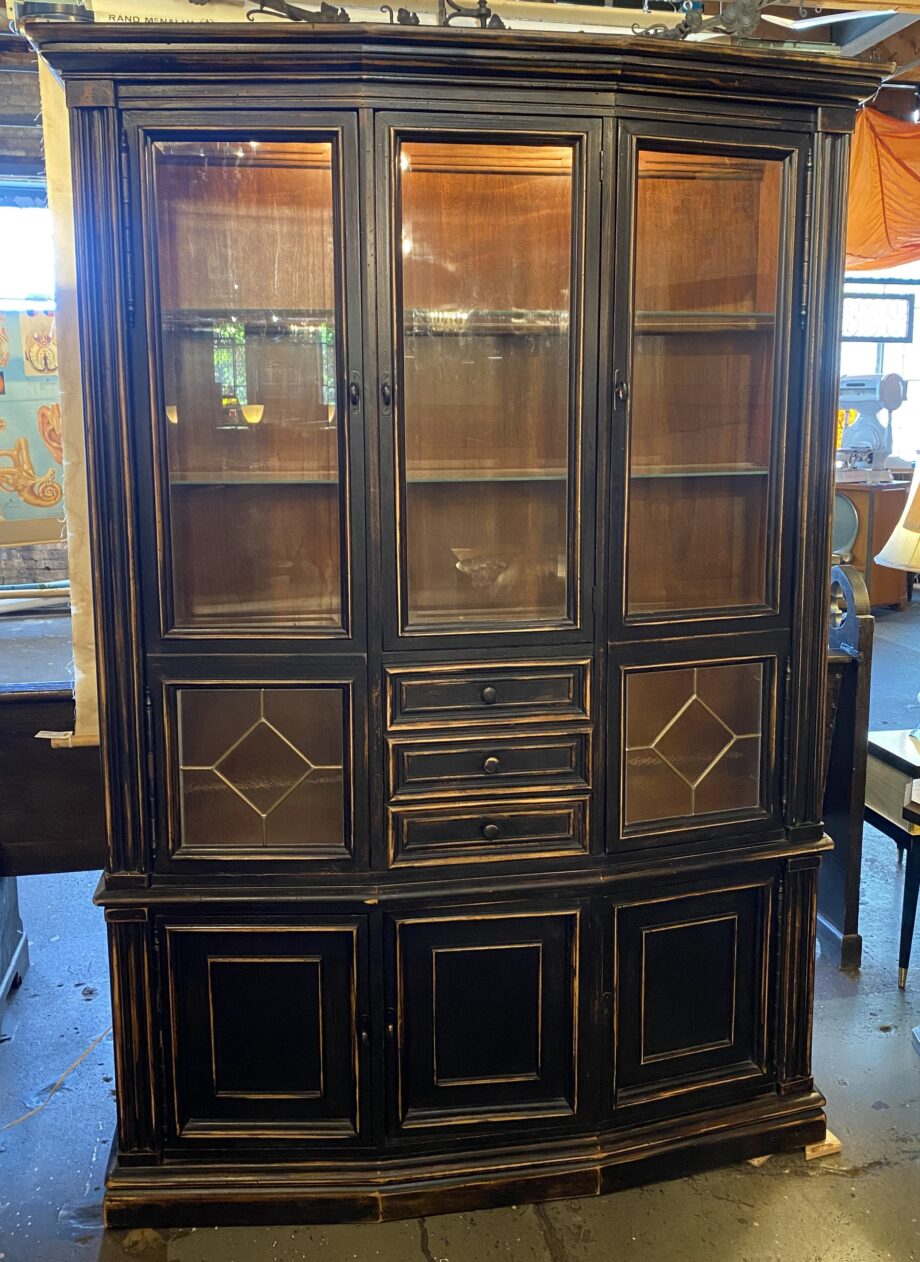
<point x="603" y="166"/>
<point x="150" y="768"/>
<point x="126" y="221"/>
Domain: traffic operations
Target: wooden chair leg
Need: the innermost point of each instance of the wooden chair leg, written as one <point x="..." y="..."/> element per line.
<point x="909" y="913"/>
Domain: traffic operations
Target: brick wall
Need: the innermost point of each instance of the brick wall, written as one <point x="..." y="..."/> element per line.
<point x="37" y="563"/>
<point x="20" y="132"/>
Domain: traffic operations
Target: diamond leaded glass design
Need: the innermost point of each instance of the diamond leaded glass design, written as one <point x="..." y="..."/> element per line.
<point x="262" y="768"/>
<point x="693" y="741"/>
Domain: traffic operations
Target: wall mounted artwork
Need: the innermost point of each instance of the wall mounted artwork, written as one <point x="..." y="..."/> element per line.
<point x="31" y="455"/>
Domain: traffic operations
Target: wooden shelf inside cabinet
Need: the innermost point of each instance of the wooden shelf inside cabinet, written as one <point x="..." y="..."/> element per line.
<point x="450" y="323"/>
<point x="423" y="477"/>
<point x="430" y="612"/>
<point x="657" y="322"/>
<point x="253" y="478"/>
<point x="254" y="319"/>
<point x="701" y="471"/>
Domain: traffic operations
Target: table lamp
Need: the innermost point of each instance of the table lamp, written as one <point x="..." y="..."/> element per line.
<point x="902" y="551"/>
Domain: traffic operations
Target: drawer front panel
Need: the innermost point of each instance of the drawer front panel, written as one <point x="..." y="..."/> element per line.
<point x="264" y="1022"/>
<point x="486" y="766"/>
<point x="490" y="831"/>
<point x="486" y="1020"/>
<point x="500" y="692"/>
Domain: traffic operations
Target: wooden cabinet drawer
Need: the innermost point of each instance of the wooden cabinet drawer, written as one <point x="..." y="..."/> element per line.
<point x="544" y="762"/>
<point x="482" y="692"/>
<point x="438" y="833"/>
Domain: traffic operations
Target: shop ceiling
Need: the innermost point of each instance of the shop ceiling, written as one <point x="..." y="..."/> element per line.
<point x="850" y="28"/>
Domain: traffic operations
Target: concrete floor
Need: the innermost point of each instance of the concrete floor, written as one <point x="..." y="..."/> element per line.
<point x="36" y="649"/>
<point x="862" y="1206"/>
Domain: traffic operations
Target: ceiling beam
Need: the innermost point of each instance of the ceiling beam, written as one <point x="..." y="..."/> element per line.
<point x="902" y="49"/>
<point x="864" y="39"/>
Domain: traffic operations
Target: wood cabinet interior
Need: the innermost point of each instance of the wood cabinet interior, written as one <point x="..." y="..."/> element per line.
<point x="705" y="295"/>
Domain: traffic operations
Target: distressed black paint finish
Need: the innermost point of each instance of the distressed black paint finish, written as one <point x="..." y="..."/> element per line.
<point x="33" y="839"/>
<point x="486" y="1019"/>
<point x="692" y="994"/>
<point x="264" y="1031"/>
<point x="487" y="974"/>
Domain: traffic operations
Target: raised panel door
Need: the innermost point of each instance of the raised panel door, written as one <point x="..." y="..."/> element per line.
<point x="266" y="1024"/>
<point x="484" y="1019"/>
<point x="691" y="996"/>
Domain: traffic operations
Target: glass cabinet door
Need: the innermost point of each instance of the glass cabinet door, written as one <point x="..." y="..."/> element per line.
<point x="487" y="411"/>
<point x="707" y="255"/>
<point x="251" y="417"/>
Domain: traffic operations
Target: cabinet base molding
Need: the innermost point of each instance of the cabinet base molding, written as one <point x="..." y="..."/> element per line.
<point x="203" y="1194"/>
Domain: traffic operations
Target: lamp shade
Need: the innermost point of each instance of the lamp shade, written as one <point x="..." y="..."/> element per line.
<point x="902" y="551"/>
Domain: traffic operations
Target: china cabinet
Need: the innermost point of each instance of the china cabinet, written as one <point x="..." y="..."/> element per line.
<point x="461" y="414"/>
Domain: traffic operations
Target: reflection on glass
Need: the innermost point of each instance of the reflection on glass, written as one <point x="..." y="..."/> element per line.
<point x="262" y="767"/>
<point x="705" y="303"/>
<point x="246" y="251"/>
<point x="693" y="739"/>
<point x="486" y="262"/>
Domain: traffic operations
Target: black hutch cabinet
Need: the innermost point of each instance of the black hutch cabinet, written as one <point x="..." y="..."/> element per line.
<point x="460" y="411"/>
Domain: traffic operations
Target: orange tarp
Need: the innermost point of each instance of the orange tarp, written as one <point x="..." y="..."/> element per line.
<point x="883" y="221"/>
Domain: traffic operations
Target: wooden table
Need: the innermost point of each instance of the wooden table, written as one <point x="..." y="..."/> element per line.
<point x="893" y="806"/>
<point x="878" y="506"/>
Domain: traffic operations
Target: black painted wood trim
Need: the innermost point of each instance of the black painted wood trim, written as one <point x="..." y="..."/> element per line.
<point x="51" y="809"/>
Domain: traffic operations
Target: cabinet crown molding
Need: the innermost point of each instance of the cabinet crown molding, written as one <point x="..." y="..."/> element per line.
<point x="374" y="52"/>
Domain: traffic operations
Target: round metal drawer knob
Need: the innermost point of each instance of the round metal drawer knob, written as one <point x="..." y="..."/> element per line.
<point x="490" y="831"/>
<point x="491" y="765"/>
<point x="489" y="694"/>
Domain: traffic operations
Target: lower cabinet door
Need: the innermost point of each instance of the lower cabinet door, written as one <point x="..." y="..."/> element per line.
<point x="484" y="1019"/>
<point x="691" y="997"/>
<point x="265" y="1025"/>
